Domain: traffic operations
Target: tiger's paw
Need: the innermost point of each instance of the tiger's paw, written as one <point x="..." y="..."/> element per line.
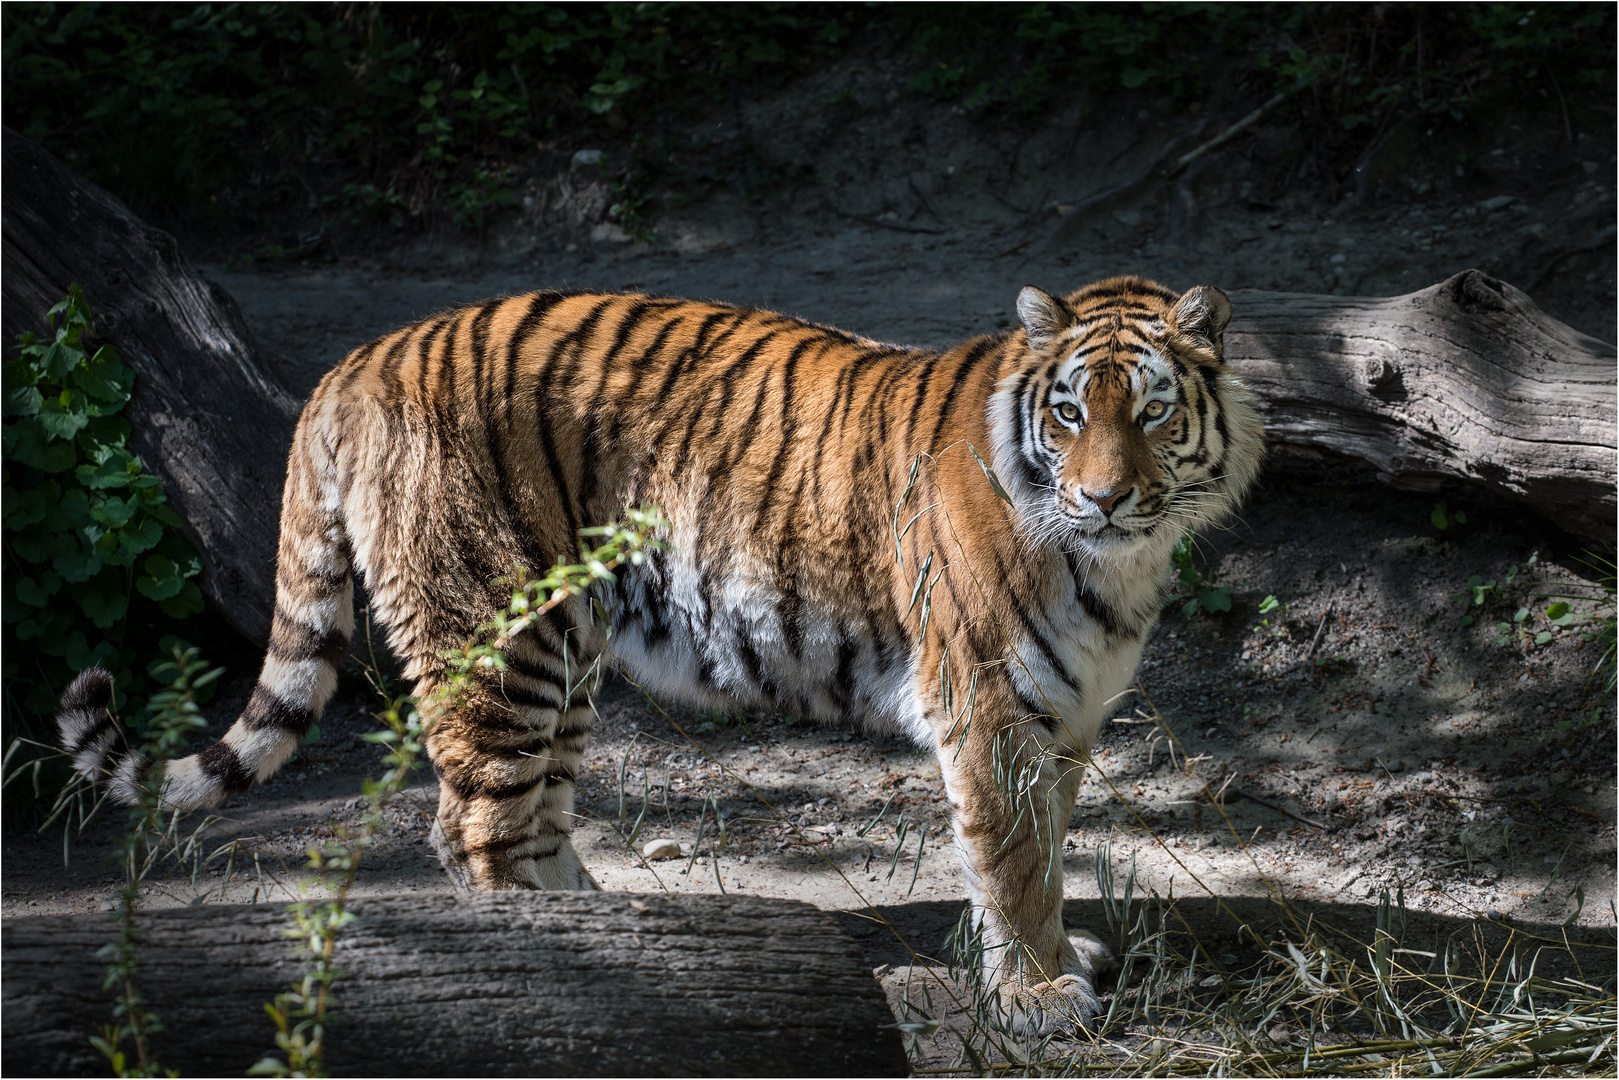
<point x="1095" y="958"/>
<point x="1067" y="1004"/>
<point x="563" y="872"/>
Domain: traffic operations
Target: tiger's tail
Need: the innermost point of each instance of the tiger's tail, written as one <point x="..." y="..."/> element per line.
<point x="309" y="636"/>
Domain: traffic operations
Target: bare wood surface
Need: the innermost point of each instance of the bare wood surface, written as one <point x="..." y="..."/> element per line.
<point x="207" y="417"/>
<point x="1465" y="380"/>
<point x="497" y="984"/>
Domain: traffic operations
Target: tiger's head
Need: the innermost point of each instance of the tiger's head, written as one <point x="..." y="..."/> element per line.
<point x="1120" y="425"/>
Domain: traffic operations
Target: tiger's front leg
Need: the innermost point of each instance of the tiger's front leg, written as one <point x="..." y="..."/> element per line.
<point x="507" y="760"/>
<point x="1011" y="786"/>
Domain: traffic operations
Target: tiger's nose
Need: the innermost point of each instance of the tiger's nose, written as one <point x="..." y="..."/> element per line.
<point x="1107" y="500"/>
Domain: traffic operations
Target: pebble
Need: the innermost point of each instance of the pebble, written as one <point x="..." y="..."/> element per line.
<point x="662" y="849"/>
<point x="880" y="970"/>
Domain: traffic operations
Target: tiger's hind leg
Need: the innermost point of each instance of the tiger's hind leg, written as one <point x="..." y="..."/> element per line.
<point x="508" y="757"/>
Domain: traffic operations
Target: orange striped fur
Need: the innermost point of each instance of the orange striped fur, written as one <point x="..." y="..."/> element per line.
<point x="441" y="457"/>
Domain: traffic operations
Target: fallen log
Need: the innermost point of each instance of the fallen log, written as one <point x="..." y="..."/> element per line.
<point x="501" y="984"/>
<point x="1465" y="380"/>
<point x="207" y="417"/>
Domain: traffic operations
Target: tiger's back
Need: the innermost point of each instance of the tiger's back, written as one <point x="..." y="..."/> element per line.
<point x="859" y="532"/>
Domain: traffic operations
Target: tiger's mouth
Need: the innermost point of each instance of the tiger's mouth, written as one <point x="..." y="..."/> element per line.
<point x="1102" y="531"/>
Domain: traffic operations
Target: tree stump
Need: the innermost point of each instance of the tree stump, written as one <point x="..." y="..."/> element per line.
<point x="495" y="984"/>
<point x="1465" y="380"/>
<point x="207" y="418"/>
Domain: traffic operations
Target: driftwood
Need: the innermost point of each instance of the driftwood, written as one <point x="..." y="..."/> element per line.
<point x="1466" y="380"/>
<point x="503" y="984"/>
<point x="207" y="418"/>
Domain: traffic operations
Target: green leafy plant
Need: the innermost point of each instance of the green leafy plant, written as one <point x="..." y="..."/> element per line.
<point x="1480" y="593"/>
<point x="1443" y="517"/>
<point x="1197" y="589"/>
<point x="474" y="201"/>
<point x="1274" y="614"/>
<point x="96" y="565"/>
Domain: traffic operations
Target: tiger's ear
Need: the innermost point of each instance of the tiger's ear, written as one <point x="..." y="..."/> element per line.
<point x="1199" y="319"/>
<point x="1043" y="316"/>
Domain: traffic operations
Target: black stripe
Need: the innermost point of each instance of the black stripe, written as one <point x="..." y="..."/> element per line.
<point x="917" y="401"/>
<point x="540" y="306"/>
<point x="638" y="370"/>
<point x="545" y="696"/>
<point x="222" y="764"/>
<point x="266" y="710"/>
<point x="975" y="354"/>
<point x="789" y="428"/>
<point x="294" y="642"/>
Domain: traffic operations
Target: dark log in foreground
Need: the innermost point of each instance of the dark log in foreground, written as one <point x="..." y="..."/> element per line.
<point x="503" y="984"/>
<point x="207" y="418"/>
<point x="1466" y="380"/>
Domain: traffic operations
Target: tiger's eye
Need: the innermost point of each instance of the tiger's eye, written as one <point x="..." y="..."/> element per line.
<point x="1154" y="409"/>
<point x="1069" y="412"/>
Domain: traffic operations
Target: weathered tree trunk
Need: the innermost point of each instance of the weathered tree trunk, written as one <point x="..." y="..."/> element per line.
<point x="207" y="418"/>
<point x="498" y="984"/>
<point x="1466" y="380"/>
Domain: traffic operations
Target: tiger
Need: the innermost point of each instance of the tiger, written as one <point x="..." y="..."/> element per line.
<point x="967" y="547"/>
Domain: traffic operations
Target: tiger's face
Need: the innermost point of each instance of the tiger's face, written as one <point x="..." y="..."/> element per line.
<point x="1117" y="427"/>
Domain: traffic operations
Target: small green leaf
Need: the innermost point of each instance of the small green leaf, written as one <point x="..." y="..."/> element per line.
<point x="1216" y="599"/>
<point x="1440" y="521"/>
<point x="162" y="579"/>
<point x="104" y="378"/>
<point x="27" y="443"/>
<point x="143" y="537"/>
<point x="113" y="472"/>
<point x="1467" y="620"/>
<point x="989" y="473"/>
<point x="76" y="566"/>
<point x="38" y="593"/>
<point x="183" y="604"/>
<point x="103" y="610"/>
<point x="1520" y="615"/>
<point x="1269" y="604"/>
<point x="62" y="417"/>
<point x="1543" y="637"/>
<point x="113" y="512"/>
<point x="21" y="401"/>
<point x="59" y="359"/>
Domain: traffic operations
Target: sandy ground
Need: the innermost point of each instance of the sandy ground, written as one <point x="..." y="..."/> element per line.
<point x="1426" y="756"/>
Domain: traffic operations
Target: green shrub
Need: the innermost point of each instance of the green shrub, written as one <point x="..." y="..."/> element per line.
<point x="96" y="568"/>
